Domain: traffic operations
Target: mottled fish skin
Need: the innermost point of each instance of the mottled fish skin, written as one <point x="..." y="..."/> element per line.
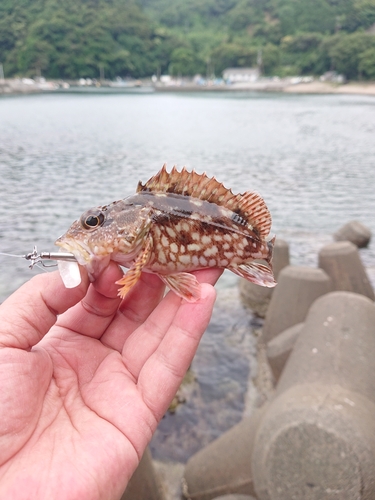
<point x="176" y="223"/>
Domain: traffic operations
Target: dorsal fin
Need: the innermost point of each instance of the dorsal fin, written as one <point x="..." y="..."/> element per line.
<point x="250" y="206"/>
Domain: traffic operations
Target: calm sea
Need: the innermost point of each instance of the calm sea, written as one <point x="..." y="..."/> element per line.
<point x="311" y="157"/>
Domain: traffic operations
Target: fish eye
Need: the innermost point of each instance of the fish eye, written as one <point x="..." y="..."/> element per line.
<point x="92" y="220"/>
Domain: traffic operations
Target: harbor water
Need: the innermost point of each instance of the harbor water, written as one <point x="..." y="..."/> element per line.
<point x="312" y="157"/>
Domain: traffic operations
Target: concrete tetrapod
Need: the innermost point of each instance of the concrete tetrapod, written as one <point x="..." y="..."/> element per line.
<point x="355" y="232"/>
<point x="317" y="438"/>
<point x="235" y="497"/>
<point x="258" y="297"/>
<point x="224" y="466"/>
<point x="341" y="261"/>
<point x="279" y="348"/>
<point x="144" y="483"/>
<point x="297" y="289"/>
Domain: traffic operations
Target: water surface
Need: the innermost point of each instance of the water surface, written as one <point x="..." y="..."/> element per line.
<point x="311" y="157"/>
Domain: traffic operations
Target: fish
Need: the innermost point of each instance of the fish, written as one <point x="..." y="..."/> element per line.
<point x="176" y="223"/>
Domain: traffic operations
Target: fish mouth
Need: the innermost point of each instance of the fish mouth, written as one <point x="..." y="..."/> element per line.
<point x="94" y="263"/>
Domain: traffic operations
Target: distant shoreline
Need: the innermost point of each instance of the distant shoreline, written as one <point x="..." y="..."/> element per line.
<point x="329" y="88"/>
<point x="315" y="87"/>
<point x="16" y="87"/>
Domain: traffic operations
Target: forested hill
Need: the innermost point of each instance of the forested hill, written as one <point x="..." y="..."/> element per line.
<point x="80" y="38"/>
<point x="73" y="38"/>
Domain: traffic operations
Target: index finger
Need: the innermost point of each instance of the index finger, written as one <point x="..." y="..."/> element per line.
<point x="94" y="314"/>
<point x="135" y="310"/>
<point x="28" y="314"/>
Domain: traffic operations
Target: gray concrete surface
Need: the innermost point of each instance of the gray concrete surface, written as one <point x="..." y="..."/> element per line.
<point x="317" y="438"/>
<point x="355" y="232"/>
<point x="279" y="348"/>
<point x="224" y="466"/>
<point x="297" y="289"/>
<point x="342" y="263"/>
<point x="235" y="497"/>
<point x="145" y="483"/>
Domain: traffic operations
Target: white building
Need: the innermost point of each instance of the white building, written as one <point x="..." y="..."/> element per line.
<point x="241" y="75"/>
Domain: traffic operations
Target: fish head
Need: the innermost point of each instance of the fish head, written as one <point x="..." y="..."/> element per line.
<point x="112" y="232"/>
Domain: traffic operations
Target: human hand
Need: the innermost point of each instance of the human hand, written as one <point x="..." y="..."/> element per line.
<point x="85" y="379"/>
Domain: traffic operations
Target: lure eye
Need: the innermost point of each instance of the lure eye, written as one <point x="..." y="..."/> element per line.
<point x="92" y="220"/>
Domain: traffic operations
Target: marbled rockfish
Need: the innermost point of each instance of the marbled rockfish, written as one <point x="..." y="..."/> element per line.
<point x="176" y="223"/>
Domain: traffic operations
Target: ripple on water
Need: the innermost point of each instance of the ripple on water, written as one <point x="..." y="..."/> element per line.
<point x="311" y="157"/>
<point x="215" y="400"/>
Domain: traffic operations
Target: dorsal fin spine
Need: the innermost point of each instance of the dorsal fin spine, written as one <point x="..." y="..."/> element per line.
<point x="248" y="205"/>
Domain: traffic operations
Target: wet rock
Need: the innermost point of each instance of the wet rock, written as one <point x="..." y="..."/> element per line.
<point x="341" y="261"/>
<point x="355" y="232"/>
<point x="317" y="437"/>
<point x="257" y="297"/>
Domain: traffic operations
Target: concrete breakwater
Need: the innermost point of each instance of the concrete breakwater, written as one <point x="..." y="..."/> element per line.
<point x="315" y="435"/>
<point x="317" y="438"/>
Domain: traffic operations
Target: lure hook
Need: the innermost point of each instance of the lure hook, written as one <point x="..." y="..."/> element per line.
<point x="36" y="257"/>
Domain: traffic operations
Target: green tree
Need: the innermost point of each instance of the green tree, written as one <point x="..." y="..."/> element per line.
<point x="345" y="52"/>
<point x="365" y="12"/>
<point x="34" y="56"/>
<point x="136" y="38"/>
<point x="303" y="52"/>
<point x="229" y="55"/>
<point x="73" y="38"/>
<point x="245" y="13"/>
<point x="305" y="15"/>
<point x="183" y="62"/>
<point x="270" y="58"/>
<point x="366" y="64"/>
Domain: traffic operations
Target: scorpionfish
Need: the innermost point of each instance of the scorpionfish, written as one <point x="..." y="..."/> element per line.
<point x="176" y="222"/>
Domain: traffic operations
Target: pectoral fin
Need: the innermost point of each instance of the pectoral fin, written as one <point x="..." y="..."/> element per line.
<point x="184" y="285"/>
<point x="132" y="276"/>
<point x="256" y="273"/>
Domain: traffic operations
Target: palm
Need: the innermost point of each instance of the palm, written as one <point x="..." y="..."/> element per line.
<point x="89" y="395"/>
